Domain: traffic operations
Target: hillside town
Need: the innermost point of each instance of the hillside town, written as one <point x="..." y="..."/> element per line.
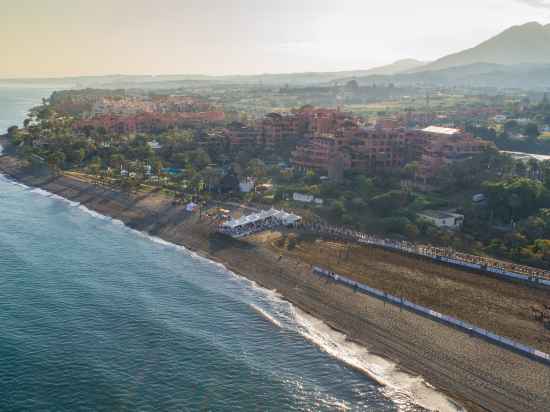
<point x="399" y="173"/>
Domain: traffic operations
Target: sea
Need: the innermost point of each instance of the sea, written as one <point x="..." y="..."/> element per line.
<point x="95" y="316"/>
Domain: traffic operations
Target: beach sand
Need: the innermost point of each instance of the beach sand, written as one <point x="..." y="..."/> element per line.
<point x="477" y="374"/>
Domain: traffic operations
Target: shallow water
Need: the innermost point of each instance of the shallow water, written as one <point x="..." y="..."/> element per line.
<point x="15" y="102"/>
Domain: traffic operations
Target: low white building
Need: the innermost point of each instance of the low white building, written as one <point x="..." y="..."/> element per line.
<point x="303" y="198"/>
<point x="442" y="219"/>
<point x="437" y="130"/>
<point x="247" y="185"/>
<point x="479" y="198"/>
<point x="525" y="157"/>
<point x="523" y="121"/>
<point x="155" y="145"/>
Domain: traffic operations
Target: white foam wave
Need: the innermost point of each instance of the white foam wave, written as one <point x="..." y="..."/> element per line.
<point x="401" y="387"/>
<point x="267" y="315"/>
<point x="50" y="195"/>
<point x="93" y="213"/>
<point x="70" y="202"/>
<point x="8" y="179"/>
<point x="41" y="192"/>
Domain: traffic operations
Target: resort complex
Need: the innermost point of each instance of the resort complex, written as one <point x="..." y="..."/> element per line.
<point x="414" y="220"/>
<point x="275" y="206"/>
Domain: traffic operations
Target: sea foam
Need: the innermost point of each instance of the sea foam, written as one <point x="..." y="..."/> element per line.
<point x="50" y="195"/>
<point x="401" y="387"/>
<point x="13" y="182"/>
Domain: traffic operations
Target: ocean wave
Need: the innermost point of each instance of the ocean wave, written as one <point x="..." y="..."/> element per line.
<point x="50" y="195"/>
<point x="8" y="179"/>
<point x="402" y="388"/>
<point x="100" y="216"/>
<point x="93" y="213"/>
<point x="266" y="315"/>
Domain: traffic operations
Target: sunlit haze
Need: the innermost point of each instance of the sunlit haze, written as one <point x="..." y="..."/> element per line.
<point x="67" y="38"/>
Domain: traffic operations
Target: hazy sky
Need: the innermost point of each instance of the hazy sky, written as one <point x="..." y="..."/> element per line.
<point x="77" y="37"/>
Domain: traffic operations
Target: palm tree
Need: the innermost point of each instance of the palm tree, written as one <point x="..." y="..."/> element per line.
<point x="411" y="170"/>
<point x="211" y="176"/>
<point x="534" y="168"/>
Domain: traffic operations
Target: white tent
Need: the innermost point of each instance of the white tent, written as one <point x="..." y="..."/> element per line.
<point x="281" y="217"/>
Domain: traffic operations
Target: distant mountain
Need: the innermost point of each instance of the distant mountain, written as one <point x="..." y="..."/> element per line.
<point x="519" y="57"/>
<point x="528" y="43"/>
<point x="479" y="75"/>
<point x="400" y="66"/>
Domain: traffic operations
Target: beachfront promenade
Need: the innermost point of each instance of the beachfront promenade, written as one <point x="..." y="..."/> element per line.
<point x="507" y="270"/>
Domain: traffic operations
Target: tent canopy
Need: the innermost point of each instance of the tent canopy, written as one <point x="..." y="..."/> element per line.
<point x="284" y="217"/>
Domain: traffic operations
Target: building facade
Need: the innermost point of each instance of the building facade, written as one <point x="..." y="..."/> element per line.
<point x="445" y="146"/>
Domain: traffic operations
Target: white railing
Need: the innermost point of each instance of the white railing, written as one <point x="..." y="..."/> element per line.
<point x="526" y="274"/>
<point x="465" y="326"/>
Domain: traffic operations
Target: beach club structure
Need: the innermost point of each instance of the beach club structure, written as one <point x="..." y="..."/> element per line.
<point x="258" y="222"/>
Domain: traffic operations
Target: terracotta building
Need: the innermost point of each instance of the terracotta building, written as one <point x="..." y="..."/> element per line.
<point x="378" y="149"/>
<point x="317" y="153"/>
<point x="307" y="121"/>
<point x="445" y="146"/>
<point x="276" y="127"/>
<point x="240" y="135"/>
<point x="370" y="149"/>
<point x="151" y="122"/>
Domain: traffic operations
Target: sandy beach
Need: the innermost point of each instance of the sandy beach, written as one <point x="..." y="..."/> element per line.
<point x="475" y="373"/>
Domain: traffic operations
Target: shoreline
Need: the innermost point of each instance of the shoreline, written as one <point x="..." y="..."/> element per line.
<point x="472" y="372"/>
<point x="423" y="387"/>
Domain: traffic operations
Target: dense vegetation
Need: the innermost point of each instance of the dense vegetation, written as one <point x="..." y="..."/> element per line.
<point x="513" y="136"/>
<point x="197" y="163"/>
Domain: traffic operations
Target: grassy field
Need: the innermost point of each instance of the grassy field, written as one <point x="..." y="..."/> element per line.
<point x="437" y="102"/>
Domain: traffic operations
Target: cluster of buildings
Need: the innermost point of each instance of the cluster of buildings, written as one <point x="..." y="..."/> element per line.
<point x="360" y="148"/>
<point x="130" y="106"/>
<point x="327" y="140"/>
<point x="378" y="149"/>
<point x="148" y="115"/>
<point x="330" y="140"/>
<point x="294" y="126"/>
<point x="445" y="146"/>
<point x="150" y="122"/>
<point x="305" y="122"/>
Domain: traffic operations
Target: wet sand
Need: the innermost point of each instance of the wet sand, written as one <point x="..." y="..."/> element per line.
<point x="477" y="374"/>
